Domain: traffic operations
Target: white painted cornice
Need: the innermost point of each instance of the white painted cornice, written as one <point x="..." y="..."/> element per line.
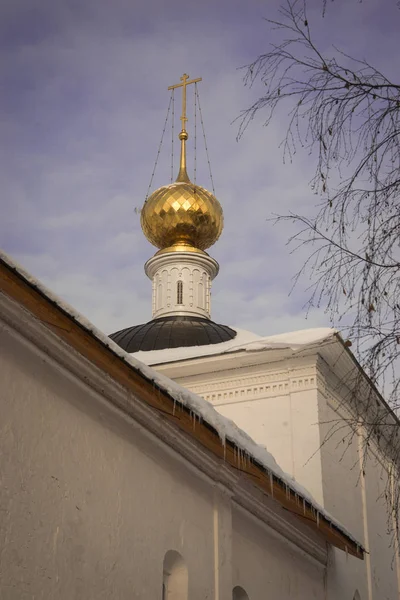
<point x="256" y="381"/>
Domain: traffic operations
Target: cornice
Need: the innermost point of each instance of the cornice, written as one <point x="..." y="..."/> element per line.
<point x="235" y="389"/>
<point x="168" y="259"/>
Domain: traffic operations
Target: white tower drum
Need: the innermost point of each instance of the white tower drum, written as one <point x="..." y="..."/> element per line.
<point x="181" y="282"/>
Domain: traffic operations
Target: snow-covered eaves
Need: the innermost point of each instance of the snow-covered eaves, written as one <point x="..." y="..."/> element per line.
<point x="217" y="433"/>
<point x="245" y="341"/>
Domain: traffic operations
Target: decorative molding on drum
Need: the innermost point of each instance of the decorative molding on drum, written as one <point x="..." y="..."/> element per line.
<point x="181" y="283"/>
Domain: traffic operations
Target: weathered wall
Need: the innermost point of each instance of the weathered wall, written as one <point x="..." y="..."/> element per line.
<point x="354" y="491"/>
<point x="277" y="405"/>
<point x="384" y="573"/>
<point x="277" y="571"/>
<point x="286" y="406"/>
<point x="90" y="502"/>
<point x="343" y="498"/>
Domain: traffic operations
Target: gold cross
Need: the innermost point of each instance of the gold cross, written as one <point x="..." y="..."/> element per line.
<point x="183" y="85"/>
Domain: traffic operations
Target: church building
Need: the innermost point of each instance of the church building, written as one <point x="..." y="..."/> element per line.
<point x="182" y="459"/>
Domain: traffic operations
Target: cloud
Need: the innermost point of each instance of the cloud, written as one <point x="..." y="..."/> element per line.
<point x="82" y="119"/>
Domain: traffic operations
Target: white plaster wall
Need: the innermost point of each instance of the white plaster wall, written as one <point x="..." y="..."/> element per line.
<point x="277" y="407"/>
<point x="267" y="568"/>
<point x="194" y="271"/>
<point x="340" y="468"/>
<point x="354" y="491"/>
<point x="89" y="504"/>
<point x="383" y="559"/>
<point x="279" y="425"/>
<point x="311" y="440"/>
<point x="343" y="498"/>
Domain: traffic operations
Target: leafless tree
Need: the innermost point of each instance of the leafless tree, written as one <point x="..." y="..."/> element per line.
<point x="346" y="113"/>
<point x="349" y="113"/>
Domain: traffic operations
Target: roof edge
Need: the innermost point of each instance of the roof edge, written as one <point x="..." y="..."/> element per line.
<point x="358" y="366"/>
<point x="79" y="333"/>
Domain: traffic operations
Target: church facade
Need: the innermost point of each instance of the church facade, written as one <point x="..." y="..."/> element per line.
<point x="183" y="459"/>
<point x="118" y="483"/>
<point x="301" y="395"/>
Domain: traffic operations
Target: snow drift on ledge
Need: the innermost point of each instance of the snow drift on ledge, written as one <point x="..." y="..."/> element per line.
<point x="244" y="340"/>
<point x="200" y="408"/>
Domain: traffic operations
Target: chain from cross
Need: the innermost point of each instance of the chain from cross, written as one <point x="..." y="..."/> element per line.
<point x="185" y="82"/>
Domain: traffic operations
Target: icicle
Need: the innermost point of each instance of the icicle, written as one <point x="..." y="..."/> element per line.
<point x="174" y="407"/>
<point x="271" y="483"/>
<point x="317" y="518"/>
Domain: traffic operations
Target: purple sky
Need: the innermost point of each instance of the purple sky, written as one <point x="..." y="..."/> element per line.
<point x="83" y="103"/>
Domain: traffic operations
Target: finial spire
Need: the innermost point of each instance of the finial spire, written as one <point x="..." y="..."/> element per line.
<point x="183" y="136"/>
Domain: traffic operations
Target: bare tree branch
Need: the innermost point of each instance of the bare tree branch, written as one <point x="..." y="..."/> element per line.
<point x="348" y="113"/>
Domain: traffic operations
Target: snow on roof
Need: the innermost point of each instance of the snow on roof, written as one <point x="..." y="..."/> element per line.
<point x="200" y="408"/>
<point x="244" y="341"/>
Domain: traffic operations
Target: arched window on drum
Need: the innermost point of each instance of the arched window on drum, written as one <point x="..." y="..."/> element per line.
<point x="179" y="292"/>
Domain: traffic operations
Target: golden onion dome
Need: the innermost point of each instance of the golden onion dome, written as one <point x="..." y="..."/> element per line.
<point x="182" y="213"/>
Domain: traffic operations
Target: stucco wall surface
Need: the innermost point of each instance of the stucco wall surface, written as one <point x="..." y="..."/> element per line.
<point x="273" y="570"/>
<point x="293" y="418"/>
<point x="89" y="505"/>
<point x="354" y="483"/>
<point x="90" y="502"/>
<point x="277" y="406"/>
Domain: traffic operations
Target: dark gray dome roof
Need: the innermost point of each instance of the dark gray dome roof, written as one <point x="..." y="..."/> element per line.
<point x="172" y="332"/>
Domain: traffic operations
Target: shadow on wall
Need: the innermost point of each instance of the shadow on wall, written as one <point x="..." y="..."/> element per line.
<point x="175" y="580"/>
<point x="175" y="577"/>
<point x="239" y="593"/>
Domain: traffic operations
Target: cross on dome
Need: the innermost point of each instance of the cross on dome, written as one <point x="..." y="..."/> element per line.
<point x="182" y="212"/>
<point x="183" y="85"/>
